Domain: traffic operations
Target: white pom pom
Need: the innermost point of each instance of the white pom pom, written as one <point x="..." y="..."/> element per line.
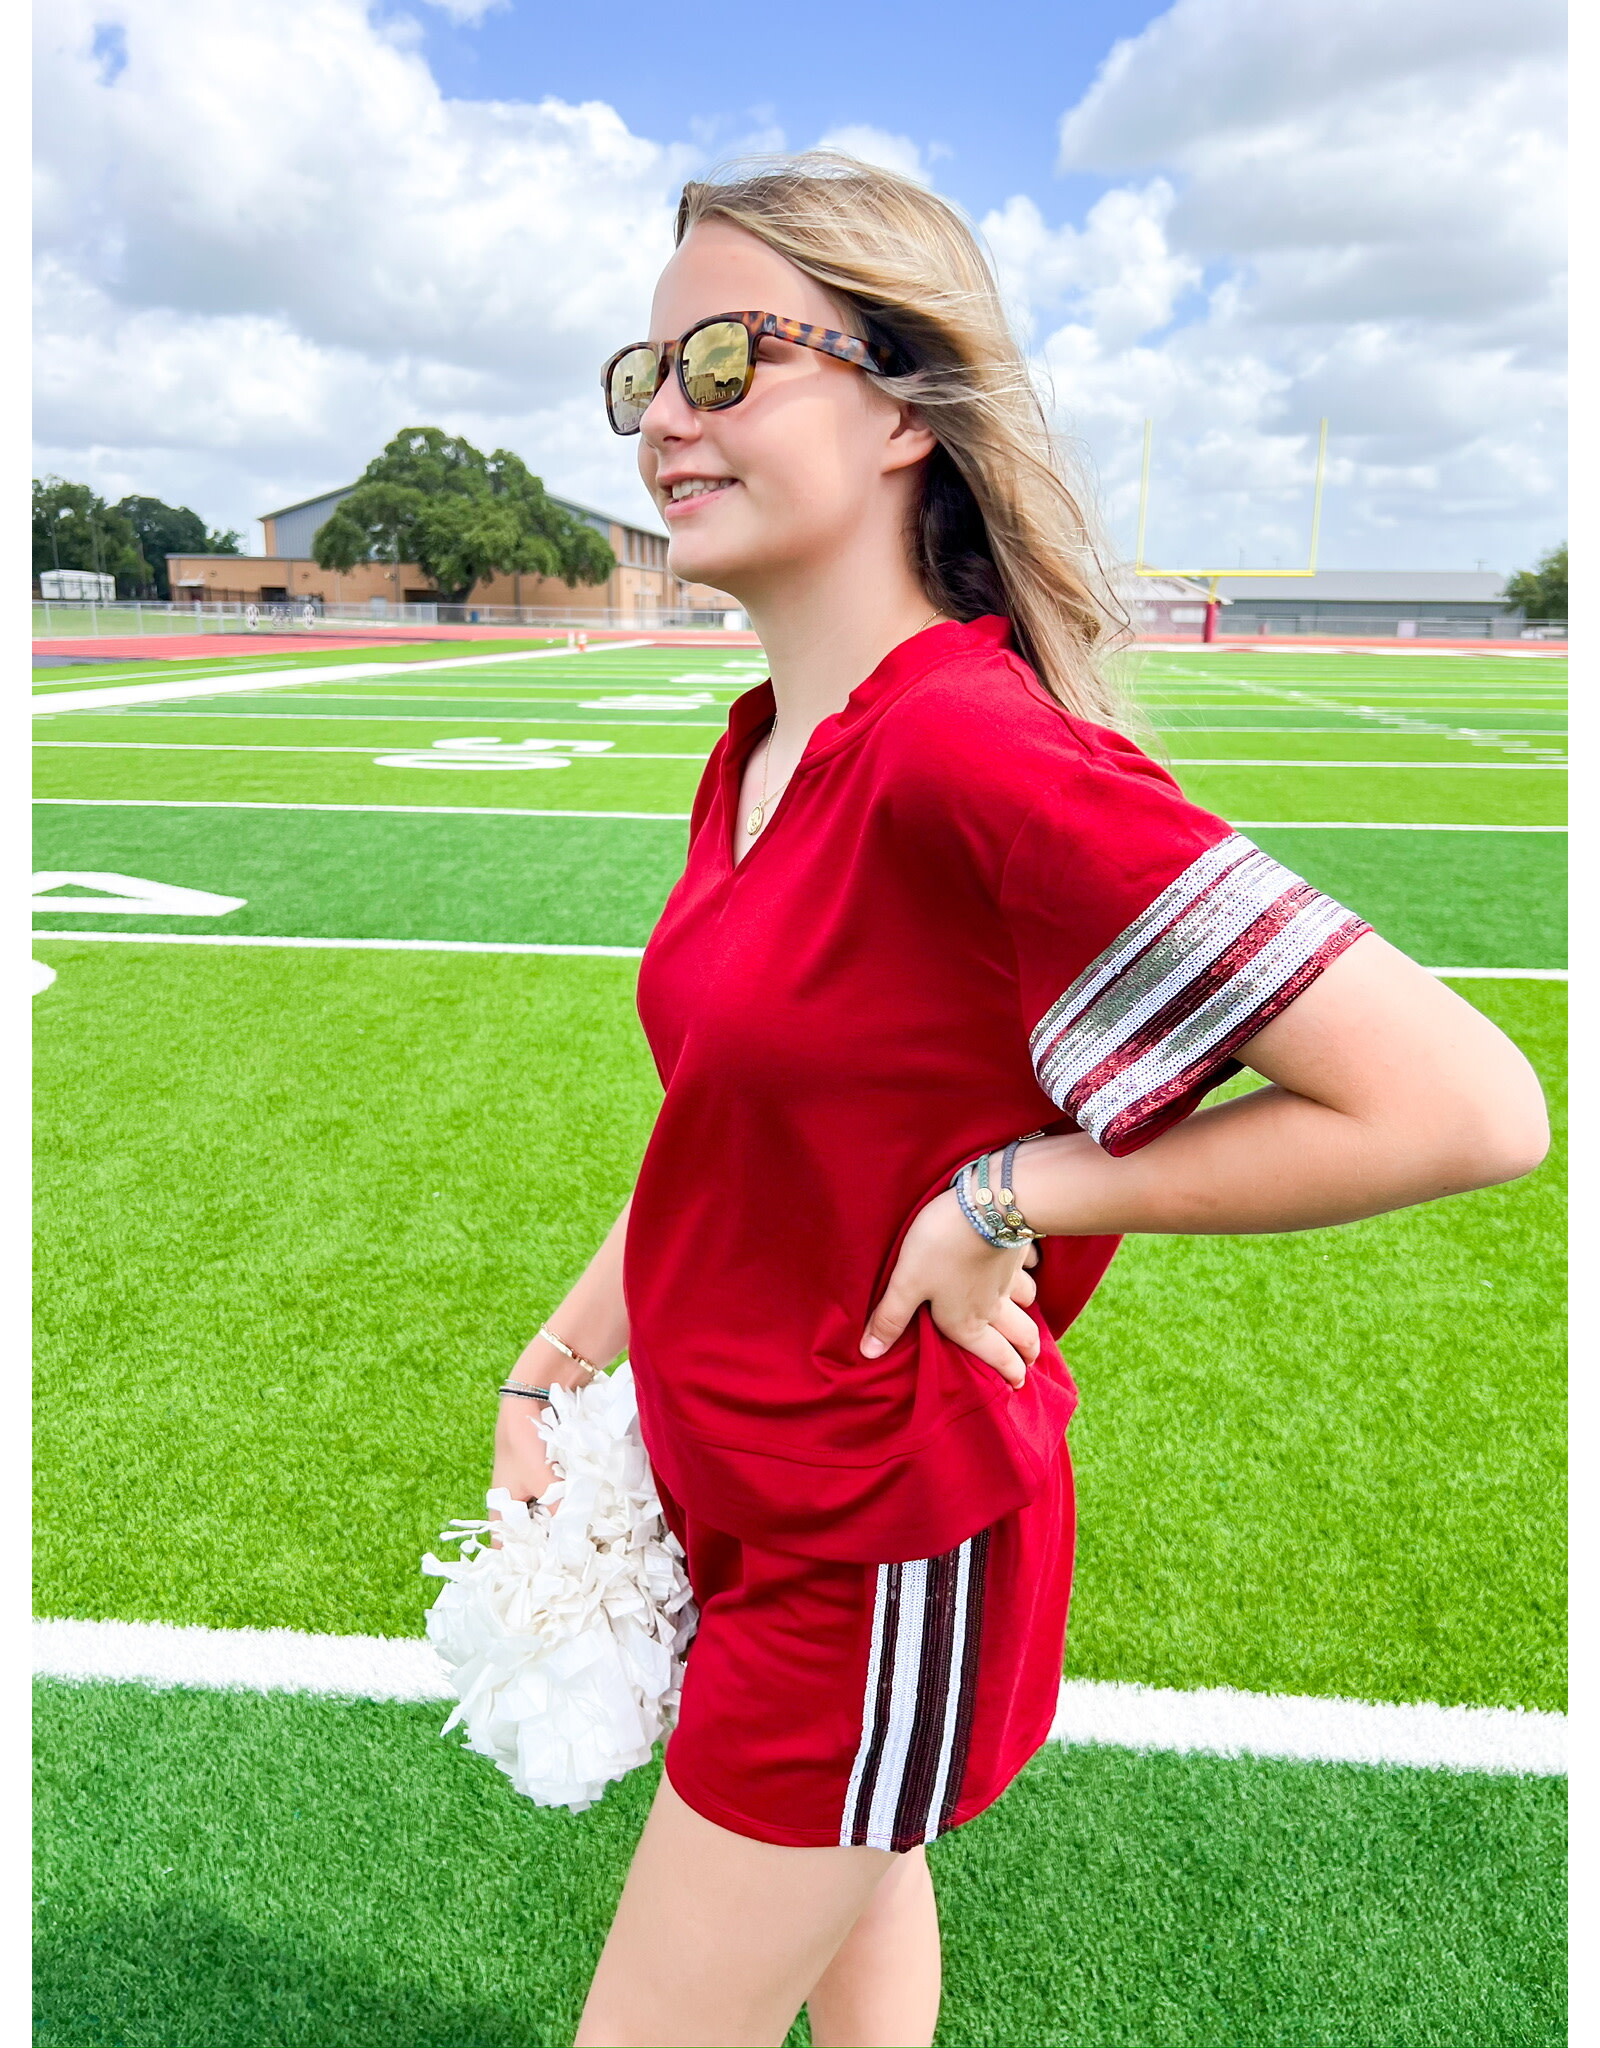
<point x="566" y="1643"/>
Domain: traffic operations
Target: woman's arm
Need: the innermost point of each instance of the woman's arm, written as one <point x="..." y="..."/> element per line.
<point x="1386" y="1089"/>
<point x="593" y="1321"/>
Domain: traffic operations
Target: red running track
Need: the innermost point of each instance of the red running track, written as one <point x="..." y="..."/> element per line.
<point x="214" y="646"/>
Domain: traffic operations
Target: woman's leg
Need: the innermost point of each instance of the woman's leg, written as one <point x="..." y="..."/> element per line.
<point x="882" y="1988"/>
<point x="719" y="1938"/>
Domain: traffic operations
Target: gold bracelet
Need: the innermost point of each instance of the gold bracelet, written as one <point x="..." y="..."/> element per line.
<point x="595" y="1372"/>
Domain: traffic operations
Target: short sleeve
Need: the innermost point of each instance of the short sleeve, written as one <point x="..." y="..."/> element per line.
<point x="1151" y="942"/>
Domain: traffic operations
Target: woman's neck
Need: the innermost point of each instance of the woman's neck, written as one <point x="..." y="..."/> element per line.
<point x="826" y="632"/>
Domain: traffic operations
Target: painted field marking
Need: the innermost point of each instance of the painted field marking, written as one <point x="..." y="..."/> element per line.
<point x="129" y="895"/>
<point x="1347" y="825"/>
<point x="1177" y="760"/>
<point x="1215" y="1721"/>
<point x="609" y="952"/>
<point x="177" y="803"/>
<point x="439" y="718"/>
<point x="174" y="803"/>
<point x="265" y="747"/>
<point x="217" y="685"/>
<point x="344" y="945"/>
<point x="485" y="750"/>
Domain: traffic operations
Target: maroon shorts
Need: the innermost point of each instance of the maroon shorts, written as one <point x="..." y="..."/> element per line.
<point x="828" y="1704"/>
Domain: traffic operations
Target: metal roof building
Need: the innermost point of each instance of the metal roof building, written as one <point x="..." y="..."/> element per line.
<point x="1383" y="598"/>
<point x="289" y="530"/>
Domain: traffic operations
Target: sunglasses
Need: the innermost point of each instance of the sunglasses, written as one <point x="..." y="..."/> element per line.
<point x="716" y="363"/>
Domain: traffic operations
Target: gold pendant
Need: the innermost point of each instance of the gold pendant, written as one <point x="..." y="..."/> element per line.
<point x="752" y="824"/>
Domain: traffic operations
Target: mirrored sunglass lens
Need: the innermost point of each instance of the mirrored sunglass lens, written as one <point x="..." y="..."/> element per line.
<point x="633" y="385"/>
<point x="716" y="360"/>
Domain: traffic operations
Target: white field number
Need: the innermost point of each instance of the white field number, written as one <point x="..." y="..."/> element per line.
<point x="126" y="895"/>
<point x="654" y="701"/>
<point x="484" y="751"/>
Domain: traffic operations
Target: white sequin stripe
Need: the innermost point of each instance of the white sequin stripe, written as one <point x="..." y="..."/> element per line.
<point x="1196" y="878"/>
<point x="952" y="1698"/>
<point x="1218" y="1018"/>
<point x="869" y="1707"/>
<point x="1199" y="935"/>
<point x="907" y="1670"/>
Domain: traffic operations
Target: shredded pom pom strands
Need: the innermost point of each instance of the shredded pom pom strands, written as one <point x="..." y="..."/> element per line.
<point x="566" y="1642"/>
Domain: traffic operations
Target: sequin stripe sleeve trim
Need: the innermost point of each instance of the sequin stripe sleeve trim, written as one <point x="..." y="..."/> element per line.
<point x="1214" y="958"/>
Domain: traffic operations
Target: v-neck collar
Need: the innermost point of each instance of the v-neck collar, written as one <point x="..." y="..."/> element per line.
<point x="902" y="666"/>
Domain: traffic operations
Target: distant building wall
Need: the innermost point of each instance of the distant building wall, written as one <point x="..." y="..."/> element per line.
<point x="274" y="579"/>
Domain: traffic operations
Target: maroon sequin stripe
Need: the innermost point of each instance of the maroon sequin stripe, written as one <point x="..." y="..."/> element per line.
<point x="934" y="1679"/>
<point x="887" y="1625"/>
<point x="966" y="1702"/>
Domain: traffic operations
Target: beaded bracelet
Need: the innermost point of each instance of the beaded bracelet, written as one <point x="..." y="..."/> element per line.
<point x="997" y="1220"/>
<point x="527" y="1393"/>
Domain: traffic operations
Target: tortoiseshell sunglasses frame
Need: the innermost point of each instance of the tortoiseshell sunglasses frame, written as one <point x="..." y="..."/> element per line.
<point x="669" y="355"/>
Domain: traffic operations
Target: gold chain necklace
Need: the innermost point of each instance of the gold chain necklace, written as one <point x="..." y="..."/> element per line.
<point x="757" y="818"/>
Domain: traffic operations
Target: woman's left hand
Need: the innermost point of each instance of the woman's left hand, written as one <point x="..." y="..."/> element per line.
<point x="976" y="1293"/>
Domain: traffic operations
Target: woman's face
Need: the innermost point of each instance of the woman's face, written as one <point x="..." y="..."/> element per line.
<point x="813" y="456"/>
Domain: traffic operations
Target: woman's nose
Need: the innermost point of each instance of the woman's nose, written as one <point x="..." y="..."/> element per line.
<point x="669" y="416"/>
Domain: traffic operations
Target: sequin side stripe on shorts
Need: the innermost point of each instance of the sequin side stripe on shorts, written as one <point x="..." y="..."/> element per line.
<point x="917" y="1705"/>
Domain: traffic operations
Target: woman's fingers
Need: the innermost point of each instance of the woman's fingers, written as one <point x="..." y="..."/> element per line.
<point x="899" y="1304"/>
<point x="1023" y="1286"/>
<point x="986" y="1342"/>
<point x="1018" y="1328"/>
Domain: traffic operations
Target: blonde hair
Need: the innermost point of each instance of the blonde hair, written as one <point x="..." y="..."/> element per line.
<point x="999" y="527"/>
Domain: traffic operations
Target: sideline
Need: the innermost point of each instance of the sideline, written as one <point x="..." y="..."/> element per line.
<point x="45" y="936"/>
<point x="185" y="803"/>
<point x="232" y="683"/>
<point x="1215" y="1720"/>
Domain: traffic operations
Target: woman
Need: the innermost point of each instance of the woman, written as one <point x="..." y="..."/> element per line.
<point x="950" y="966"/>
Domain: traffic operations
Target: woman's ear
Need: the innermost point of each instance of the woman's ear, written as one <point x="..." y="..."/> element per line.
<point x="911" y="439"/>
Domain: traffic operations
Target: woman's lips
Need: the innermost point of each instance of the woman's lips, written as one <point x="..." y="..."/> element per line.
<point x="678" y="508"/>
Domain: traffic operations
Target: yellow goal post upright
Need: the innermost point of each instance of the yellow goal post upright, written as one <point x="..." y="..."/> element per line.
<point x="1213" y="577"/>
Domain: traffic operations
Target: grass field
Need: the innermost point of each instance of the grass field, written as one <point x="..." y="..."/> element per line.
<point x="298" y="1203"/>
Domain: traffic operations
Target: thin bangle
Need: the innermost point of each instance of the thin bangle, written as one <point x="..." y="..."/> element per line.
<point x="527" y="1393"/>
<point x="594" y="1371"/>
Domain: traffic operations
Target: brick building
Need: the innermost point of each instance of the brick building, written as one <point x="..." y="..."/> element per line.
<point x="285" y="572"/>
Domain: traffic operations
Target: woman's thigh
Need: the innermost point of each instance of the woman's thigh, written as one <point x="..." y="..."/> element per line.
<point x="718" y="1938"/>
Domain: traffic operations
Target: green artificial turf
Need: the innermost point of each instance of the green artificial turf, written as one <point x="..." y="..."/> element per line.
<point x="1333" y="1461"/>
<point x="238" y="1871"/>
<point x="1453" y="899"/>
<point x="560" y="881"/>
<point x="1401" y="795"/>
<point x="584" y="783"/>
<point x="297" y="1209"/>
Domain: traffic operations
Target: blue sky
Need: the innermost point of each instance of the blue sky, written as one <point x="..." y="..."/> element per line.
<point x="985" y="84"/>
<point x="267" y="237"/>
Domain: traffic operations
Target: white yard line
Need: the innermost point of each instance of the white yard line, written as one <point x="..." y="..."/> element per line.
<point x="127" y="938"/>
<point x="1177" y="760"/>
<point x="217" y="686"/>
<point x="343" y="945"/>
<point x="437" y="718"/>
<point x="1349" y="825"/>
<point x="389" y="747"/>
<point x="174" y="803"/>
<point x="1215" y="1721"/>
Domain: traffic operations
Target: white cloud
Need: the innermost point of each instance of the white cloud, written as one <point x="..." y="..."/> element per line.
<point x="888" y="152"/>
<point x="269" y="232"/>
<point x="1370" y="196"/>
<point x="267" y="240"/>
<point x="468" y="12"/>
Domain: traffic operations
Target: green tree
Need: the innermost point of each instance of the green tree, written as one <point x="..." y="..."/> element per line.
<point x="163" y="530"/>
<point x="433" y="499"/>
<point x="74" y="529"/>
<point x="1541" y="593"/>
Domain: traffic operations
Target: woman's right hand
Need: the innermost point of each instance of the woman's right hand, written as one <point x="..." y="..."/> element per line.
<point x="521" y="1462"/>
